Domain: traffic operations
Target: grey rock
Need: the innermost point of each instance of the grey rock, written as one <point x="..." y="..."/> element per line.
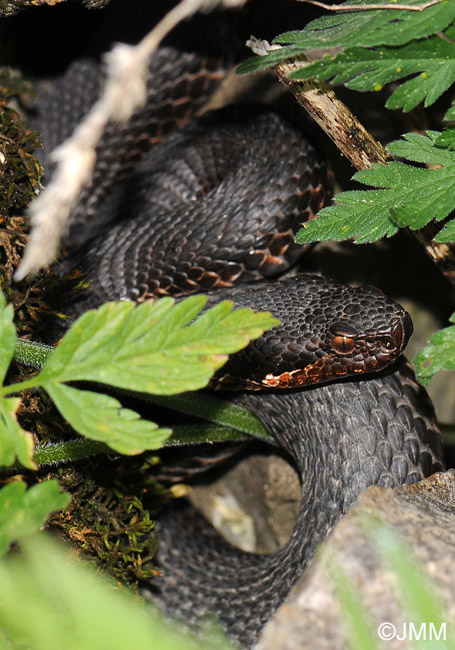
<point x="423" y="516"/>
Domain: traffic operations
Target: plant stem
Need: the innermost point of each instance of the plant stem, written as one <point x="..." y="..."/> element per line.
<point x="212" y="409"/>
<point x="68" y="451"/>
<point x="334" y="117"/>
<point x="58" y="453"/>
<point x="30" y="353"/>
<point x="194" y="434"/>
<point x="370" y="7"/>
<point x="34" y="382"/>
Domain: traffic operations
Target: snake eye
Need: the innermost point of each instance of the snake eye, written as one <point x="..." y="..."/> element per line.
<point x="343" y="337"/>
<point x="343" y="344"/>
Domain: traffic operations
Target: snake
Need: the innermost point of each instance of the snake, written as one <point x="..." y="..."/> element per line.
<point x="182" y="203"/>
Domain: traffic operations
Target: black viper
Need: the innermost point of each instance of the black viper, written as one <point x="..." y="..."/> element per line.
<point x="170" y="224"/>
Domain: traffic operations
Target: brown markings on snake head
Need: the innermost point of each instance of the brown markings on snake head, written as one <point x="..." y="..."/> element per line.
<point x="323" y="370"/>
<point x="348" y="353"/>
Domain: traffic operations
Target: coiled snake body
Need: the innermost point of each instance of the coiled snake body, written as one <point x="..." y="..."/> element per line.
<point x="215" y="204"/>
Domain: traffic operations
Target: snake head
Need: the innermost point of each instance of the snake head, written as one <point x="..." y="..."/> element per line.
<point x="328" y="331"/>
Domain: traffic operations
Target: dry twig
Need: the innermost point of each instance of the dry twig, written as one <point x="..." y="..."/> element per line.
<point x="369" y="7"/>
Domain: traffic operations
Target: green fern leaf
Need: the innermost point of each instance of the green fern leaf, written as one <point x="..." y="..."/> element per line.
<point x="432" y="60"/>
<point x="446" y="139"/>
<point x="406" y="195"/>
<point x="23" y="511"/>
<point x="371" y="28"/>
<point x="439" y="354"/>
<point x="450" y="113"/>
<point x="100" y="417"/>
<point x="7" y="336"/>
<point x="14" y="440"/>
<point x="153" y="348"/>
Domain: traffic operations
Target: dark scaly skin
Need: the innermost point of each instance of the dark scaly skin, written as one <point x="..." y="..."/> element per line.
<point x="342" y="436"/>
<point x="178" y="84"/>
<point x="188" y="218"/>
<point x="328" y="331"/>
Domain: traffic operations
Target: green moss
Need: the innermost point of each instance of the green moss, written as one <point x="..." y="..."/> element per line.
<point x="109" y="517"/>
<point x="21" y="171"/>
<point x="20" y="177"/>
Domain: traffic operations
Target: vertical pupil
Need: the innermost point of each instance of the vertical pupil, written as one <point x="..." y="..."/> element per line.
<point x="343" y="343"/>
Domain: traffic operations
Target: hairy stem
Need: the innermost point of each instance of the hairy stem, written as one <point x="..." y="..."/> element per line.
<point x="68" y="451"/>
<point x="215" y="410"/>
<point x="29" y="353"/>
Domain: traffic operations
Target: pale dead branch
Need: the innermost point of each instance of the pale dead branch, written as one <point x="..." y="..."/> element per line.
<point x="370" y="7"/>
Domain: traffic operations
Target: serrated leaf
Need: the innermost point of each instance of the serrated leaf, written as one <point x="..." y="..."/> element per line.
<point x="23" y="511"/>
<point x="355" y="215"/>
<point x="7" y="336"/>
<point x="447" y="234"/>
<point x="421" y="148"/>
<point x="372" y="28"/>
<point x="427" y="87"/>
<point x="362" y="215"/>
<point x="446" y="139"/>
<point x="439" y="354"/>
<point x="154" y="348"/>
<point x="216" y="410"/>
<point x="100" y="417"/>
<point x="15" y="442"/>
<point x="51" y="600"/>
<point x="450" y="114"/>
<point x="409" y="196"/>
<point x="370" y="69"/>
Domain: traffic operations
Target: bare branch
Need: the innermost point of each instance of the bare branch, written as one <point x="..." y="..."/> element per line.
<point x="334" y="117"/>
<point x="400" y="7"/>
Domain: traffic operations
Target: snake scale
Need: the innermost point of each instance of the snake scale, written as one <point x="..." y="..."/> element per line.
<point x="215" y="205"/>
